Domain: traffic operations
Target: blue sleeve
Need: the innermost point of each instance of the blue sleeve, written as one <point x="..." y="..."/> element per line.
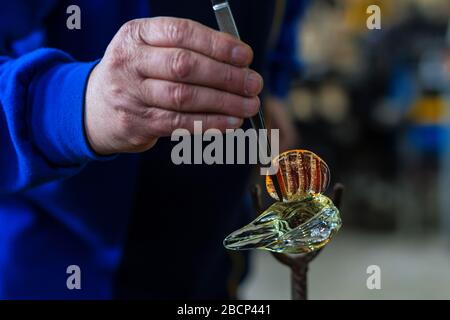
<point x="283" y="56"/>
<point x="42" y="135"/>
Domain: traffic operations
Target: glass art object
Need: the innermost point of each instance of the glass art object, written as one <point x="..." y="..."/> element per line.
<point x="304" y="220"/>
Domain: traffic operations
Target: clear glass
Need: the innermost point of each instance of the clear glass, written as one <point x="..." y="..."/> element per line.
<point x="304" y="221"/>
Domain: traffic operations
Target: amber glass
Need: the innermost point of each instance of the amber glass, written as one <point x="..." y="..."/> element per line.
<point x="304" y="221"/>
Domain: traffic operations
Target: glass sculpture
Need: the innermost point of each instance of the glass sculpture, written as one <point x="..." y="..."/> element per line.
<point x="304" y="220"/>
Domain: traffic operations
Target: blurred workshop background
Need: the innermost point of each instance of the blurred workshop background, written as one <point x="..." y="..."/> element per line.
<point x="375" y="104"/>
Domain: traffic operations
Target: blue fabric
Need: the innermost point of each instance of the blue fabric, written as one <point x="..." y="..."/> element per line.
<point x="42" y="109"/>
<point x="283" y="58"/>
<point x="51" y="216"/>
<point x="60" y="203"/>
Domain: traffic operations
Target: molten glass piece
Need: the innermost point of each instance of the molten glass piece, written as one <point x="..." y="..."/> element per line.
<point x="304" y="221"/>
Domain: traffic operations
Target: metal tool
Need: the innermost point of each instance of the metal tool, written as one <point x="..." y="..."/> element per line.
<point x="227" y="24"/>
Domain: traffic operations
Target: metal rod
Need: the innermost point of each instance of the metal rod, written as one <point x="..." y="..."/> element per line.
<point x="299" y="265"/>
<point x="227" y="24"/>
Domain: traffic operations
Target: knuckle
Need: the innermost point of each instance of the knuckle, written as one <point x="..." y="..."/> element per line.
<point x="148" y="113"/>
<point x="223" y="102"/>
<point x="136" y="139"/>
<point x="125" y="122"/>
<point x="118" y="57"/>
<point x="182" y="95"/>
<point x="178" y="31"/>
<point x="176" y="121"/>
<point x="123" y="48"/>
<point x="214" y="45"/>
<point x="116" y="91"/>
<point x="181" y="64"/>
<point x="130" y="29"/>
<point x="228" y="75"/>
<point x="144" y="91"/>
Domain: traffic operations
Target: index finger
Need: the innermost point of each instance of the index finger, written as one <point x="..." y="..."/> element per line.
<point x="191" y="35"/>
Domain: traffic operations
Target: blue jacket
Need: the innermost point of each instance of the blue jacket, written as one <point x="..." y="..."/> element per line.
<point x="62" y="205"/>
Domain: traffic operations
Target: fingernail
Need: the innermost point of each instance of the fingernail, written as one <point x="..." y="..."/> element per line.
<point x="240" y="55"/>
<point x="253" y="84"/>
<point x="232" y="121"/>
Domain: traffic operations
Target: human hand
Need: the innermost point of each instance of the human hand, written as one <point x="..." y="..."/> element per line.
<point x="160" y="74"/>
